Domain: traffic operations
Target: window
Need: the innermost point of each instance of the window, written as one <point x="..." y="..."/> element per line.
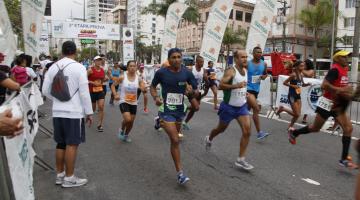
<point x="348" y="40"/>
<point x="231" y="14"/>
<point x="153" y="37"/>
<point x="248" y="17"/>
<point x="350" y="3"/>
<point x="349" y="21"/>
<point x="239" y="15"/>
<point x="207" y="15"/>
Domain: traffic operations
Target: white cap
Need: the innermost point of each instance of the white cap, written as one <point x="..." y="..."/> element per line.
<point x="97" y="57"/>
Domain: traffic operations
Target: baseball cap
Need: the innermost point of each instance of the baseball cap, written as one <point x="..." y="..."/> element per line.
<point x="97" y="57"/>
<point x="341" y="53"/>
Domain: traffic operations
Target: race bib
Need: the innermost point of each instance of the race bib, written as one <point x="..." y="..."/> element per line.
<point x="325" y="103"/>
<point x="255" y="79"/>
<point x="240" y="93"/>
<point x="130" y="97"/>
<point x="174" y="99"/>
<point x="97" y="89"/>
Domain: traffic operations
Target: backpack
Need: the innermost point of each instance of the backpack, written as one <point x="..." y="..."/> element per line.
<point x="20" y="75"/>
<point x="59" y="86"/>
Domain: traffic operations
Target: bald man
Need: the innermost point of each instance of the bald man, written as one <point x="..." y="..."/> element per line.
<point x="234" y="106"/>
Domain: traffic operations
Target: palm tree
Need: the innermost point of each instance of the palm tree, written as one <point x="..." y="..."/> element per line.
<point x="315" y="18"/>
<point x="233" y="37"/>
<point x="160" y="9"/>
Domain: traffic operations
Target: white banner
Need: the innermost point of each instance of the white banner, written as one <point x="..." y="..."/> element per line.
<point x="128" y="44"/>
<point x="309" y="95"/>
<point x="264" y="97"/>
<point x="7" y="39"/>
<point x="215" y="29"/>
<point x="19" y="151"/>
<point x="32" y="13"/>
<point x="260" y="24"/>
<point x="80" y="30"/>
<point x="44" y="44"/>
<point x="173" y="17"/>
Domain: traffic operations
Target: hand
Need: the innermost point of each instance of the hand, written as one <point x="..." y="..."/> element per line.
<point x="158" y="101"/>
<point x="9" y="126"/>
<point x="117" y="97"/>
<point x="241" y="85"/>
<point x="89" y="120"/>
<point x="295" y="86"/>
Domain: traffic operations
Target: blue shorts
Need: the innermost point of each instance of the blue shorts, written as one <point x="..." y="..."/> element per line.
<point x="227" y="112"/>
<point x="171" y="117"/>
<point x="69" y="131"/>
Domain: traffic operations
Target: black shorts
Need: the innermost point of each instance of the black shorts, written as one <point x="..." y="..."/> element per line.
<point x="256" y="94"/>
<point x="293" y="98"/>
<point x="96" y="96"/>
<point x="69" y="131"/>
<point x="125" y="107"/>
<point x="212" y="83"/>
<point x="326" y="114"/>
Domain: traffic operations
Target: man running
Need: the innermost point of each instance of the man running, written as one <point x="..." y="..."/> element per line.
<point x="173" y="81"/>
<point x="234" y="106"/>
<point x="211" y="83"/>
<point x="337" y="96"/>
<point x="256" y="72"/>
<point x="200" y="75"/>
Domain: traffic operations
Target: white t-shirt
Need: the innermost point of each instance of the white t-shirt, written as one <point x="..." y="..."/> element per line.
<point x="43" y="65"/>
<point x="30" y="72"/>
<point x="80" y="103"/>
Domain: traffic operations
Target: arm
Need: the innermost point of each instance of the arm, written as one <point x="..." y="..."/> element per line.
<point x="84" y="93"/>
<point x="331" y="76"/>
<point x="10" y="84"/>
<point x="142" y="86"/>
<point x="109" y="74"/>
<point x="206" y="77"/>
<point x="287" y="82"/>
<point x="309" y="73"/>
<point x="228" y="75"/>
<point x="264" y="76"/>
<point x="153" y="90"/>
<point x="47" y="84"/>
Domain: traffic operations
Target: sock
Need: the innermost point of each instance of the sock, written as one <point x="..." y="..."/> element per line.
<point x="180" y="172"/>
<point x="61" y="174"/>
<point x="240" y="159"/>
<point x="304" y="130"/>
<point x="346" y="140"/>
<point x="70" y="177"/>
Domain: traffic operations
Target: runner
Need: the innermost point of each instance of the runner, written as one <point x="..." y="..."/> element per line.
<point x="142" y="75"/>
<point x="256" y="72"/>
<point x="114" y="72"/>
<point x="211" y="76"/>
<point x="294" y="82"/>
<point x="130" y="83"/>
<point x="96" y="75"/>
<point x="200" y="75"/>
<point x="309" y="72"/>
<point x="173" y="81"/>
<point x="336" y="98"/>
<point x="105" y="66"/>
<point x="234" y="106"/>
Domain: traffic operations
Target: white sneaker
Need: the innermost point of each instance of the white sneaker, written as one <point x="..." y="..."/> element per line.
<point x="73" y="182"/>
<point x="60" y="178"/>
<point x="243" y="164"/>
<point x="207" y="143"/>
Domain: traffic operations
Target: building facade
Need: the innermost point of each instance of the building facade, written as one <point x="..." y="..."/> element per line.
<point x="346" y="24"/>
<point x="96" y="8"/>
<point x="190" y="35"/>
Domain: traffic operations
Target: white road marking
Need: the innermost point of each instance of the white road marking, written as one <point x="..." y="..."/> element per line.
<point x="310" y="181"/>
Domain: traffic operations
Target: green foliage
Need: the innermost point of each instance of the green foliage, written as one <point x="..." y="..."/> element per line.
<point x="234" y="37"/>
<point x="88" y="53"/>
<point x="14" y="11"/>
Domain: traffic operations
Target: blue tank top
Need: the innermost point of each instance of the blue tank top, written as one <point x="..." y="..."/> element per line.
<point x="254" y="73"/>
<point x="115" y="73"/>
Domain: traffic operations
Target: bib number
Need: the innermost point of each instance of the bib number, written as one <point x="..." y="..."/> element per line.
<point x="97" y="88"/>
<point x="255" y="79"/>
<point x="240" y="93"/>
<point x="325" y="103"/>
<point x="174" y="99"/>
<point x="131" y="98"/>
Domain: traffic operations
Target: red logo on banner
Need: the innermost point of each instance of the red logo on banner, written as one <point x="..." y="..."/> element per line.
<point x="33" y="28"/>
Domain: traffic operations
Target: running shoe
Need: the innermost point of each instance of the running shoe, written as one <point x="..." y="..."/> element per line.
<point x="73" y="182"/>
<point x="182" y="179"/>
<point x="262" y="135"/>
<point x="181" y="136"/>
<point x="146" y="111"/>
<point x="100" y="128"/>
<point x="243" y="164"/>
<point x="185" y="126"/>
<point x="124" y="138"/>
<point x="157" y="123"/>
<point x="292" y="138"/>
<point x="121" y="134"/>
<point x="111" y="102"/>
<point x="207" y="143"/>
<point x="348" y="163"/>
<point x="60" y="178"/>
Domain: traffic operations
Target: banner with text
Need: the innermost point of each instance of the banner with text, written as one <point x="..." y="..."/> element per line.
<point x="309" y="95"/>
<point x="7" y="39"/>
<point x="19" y="151"/>
<point x="80" y="30"/>
<point x="44" y="41"/>
<point x="215" y="29"/>
<point x="32" y="13"/>
<point x="173" y="17"/>
<point x="128" y="44"/>
<point x="260" y="24"/>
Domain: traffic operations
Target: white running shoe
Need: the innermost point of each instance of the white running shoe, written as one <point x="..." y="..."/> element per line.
<point x="73" y="182"/>
<point x="60" y="178"/>
<point x="207" y="143"/>
<point x="243" y="164"/>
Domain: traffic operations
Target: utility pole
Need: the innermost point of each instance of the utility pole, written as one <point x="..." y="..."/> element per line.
<point x="355" y="55"/>
<point x="334" y="4"/>
<point x="283" y="21"/>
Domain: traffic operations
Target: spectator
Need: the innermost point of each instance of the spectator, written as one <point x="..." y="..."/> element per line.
<point x="42" y="68"/>
<point x="47" y="66"/>
<point x="18" y="72"/>
<point x="68" y="117"/>
<point x="29" y="70"/>
<point x="8" y="126"/>
<point x="6" y="83"/>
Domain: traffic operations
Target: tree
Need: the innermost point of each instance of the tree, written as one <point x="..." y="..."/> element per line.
<point x="14" y="11"/>
<point x="315" y="18"/>
<point x="234" y="37"/>
<point x="88" y="53"/>
<point x="160" y="9"/>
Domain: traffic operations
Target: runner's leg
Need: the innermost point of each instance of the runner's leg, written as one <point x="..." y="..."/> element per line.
<point x="251" y="100"/>
<point x="244" y="122"/>
<point x="100" y="104"/>
<point x="214" y="90"/>
<point x="172" y="130"/>
<point x="296" y="111"/>
<point x="345" y="124"/>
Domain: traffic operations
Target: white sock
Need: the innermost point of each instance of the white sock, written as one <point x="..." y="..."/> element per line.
<point x="240" y="159"/>
<point x="61" y="174"/>
<point x="69" y="177"/>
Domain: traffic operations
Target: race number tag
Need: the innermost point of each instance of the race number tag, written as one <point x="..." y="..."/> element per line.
<point x="130" y="97"/>
<point x="255" y="79"/>
<point x="325" y="103"/>
<point x="174" y="99"/>
<point x="241" y="93"/>
<point x="97" y="89"/>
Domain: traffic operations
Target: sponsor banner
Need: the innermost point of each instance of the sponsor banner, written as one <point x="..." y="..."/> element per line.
<point x="32" y="12"/>
<point x="173" y="17"/>
<point x="7" y="38"/>
<point x="87" y="41"/>
<point x="19" y="151"/>
<point x="215" y="29"/>
<point x="260" y="24"/>
<point x="44" y="44"/>
<point x="81" y="30"/>
<point x="128" y="44"/>
<point x="309" y="95"/>
<point x="264" y="97"/>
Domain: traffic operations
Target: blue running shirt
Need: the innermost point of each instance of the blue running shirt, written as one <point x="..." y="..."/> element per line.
<point x="254" y="73"/>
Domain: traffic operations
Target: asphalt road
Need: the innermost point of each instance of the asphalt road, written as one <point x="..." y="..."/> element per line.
<point x="144" y="169"/>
